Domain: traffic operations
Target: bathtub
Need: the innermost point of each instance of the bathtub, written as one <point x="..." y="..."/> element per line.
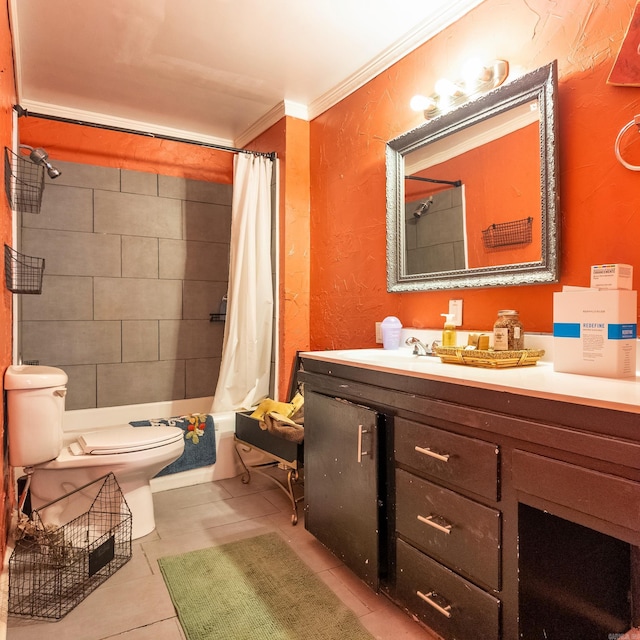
<point x="227" y="464"/>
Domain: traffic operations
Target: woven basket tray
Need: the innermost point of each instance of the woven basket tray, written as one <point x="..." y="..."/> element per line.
<point x="488" y="358"/>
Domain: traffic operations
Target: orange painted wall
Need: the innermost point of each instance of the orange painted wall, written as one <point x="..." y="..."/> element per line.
<point x="7" y="100"/>
<point x="600" y="199"/>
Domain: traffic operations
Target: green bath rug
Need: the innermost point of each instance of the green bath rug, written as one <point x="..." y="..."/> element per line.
<point x="255" y="589"/>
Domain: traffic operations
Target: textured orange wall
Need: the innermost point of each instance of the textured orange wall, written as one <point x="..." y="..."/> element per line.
<point x="7" y="100"/>
<point x="600" y="200"/>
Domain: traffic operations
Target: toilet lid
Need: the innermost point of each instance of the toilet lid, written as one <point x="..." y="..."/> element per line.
<point x="125" y="439"/>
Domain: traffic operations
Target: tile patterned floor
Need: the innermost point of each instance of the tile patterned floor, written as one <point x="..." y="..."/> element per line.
<point x="134" y="604"/>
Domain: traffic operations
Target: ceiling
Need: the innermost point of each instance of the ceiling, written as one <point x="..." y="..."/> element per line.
<point x="219" y="71"/>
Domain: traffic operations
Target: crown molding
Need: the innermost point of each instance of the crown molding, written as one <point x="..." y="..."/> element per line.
<point x="419" y="35"/>
<point x="274" y="115"/>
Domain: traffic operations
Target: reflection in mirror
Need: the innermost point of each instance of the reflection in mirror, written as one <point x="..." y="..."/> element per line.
<point x="471" y="195"/>
<point x="434" y="228"/>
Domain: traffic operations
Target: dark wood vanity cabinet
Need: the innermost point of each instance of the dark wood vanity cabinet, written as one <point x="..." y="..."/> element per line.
<point x="492" y="506"/>
<point x="342" y="502"/>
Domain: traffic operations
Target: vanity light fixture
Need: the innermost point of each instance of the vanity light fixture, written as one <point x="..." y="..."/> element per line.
<point x="477" y="78"/>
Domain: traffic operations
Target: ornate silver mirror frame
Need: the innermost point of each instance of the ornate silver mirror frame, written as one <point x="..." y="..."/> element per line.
<point x="539" y="87"/>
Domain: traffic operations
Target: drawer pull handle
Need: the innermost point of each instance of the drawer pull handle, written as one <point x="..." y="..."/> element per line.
<point x="445" y="528"/>
<point x="361" y="453"/>
<point x="443" y="457"/>
<point x="427" y="597"/>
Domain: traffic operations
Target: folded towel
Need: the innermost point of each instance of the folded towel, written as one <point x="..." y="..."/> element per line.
<point x="291" y="429"/>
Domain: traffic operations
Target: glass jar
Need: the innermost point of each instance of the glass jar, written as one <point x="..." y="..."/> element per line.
<point x="508" y="334"/>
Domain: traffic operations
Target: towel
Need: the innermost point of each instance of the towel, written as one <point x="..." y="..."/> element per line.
<point x="199" y="440"/>
<point x="288" y="428"/>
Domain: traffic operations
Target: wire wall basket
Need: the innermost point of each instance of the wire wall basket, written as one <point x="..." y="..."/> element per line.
<point x="503" y="234"/>
<point x="23" y="182"/>
<point x="22" y="274"/>
<point x="55" y="566"/>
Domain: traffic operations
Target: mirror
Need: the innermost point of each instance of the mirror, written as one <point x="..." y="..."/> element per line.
<point x="472" y="194"/>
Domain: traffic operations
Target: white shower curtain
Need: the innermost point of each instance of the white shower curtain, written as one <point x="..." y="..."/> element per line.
<point x="246" y="350"/>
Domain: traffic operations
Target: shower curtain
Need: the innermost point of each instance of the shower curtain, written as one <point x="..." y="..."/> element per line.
<point x="246" y="351"/>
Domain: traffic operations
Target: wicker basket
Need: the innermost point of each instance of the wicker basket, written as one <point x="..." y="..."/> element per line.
<point x="488" y="358"/>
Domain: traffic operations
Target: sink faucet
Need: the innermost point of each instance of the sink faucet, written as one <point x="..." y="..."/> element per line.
<point x="418" y="346"/>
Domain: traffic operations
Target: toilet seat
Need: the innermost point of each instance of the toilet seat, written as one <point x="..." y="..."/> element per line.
<point x="124" y="439"/>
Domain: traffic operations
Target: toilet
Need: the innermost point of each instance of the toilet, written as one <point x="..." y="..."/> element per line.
<point x="63" y="462"/>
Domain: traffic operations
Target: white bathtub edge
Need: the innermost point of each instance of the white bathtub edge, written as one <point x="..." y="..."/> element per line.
<point x="82" y="419"/>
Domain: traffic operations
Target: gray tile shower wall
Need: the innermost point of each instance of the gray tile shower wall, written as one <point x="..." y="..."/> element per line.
<point x="134" y="264"/>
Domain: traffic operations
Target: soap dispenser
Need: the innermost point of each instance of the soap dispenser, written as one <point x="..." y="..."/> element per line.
<point x="449" y="331"/>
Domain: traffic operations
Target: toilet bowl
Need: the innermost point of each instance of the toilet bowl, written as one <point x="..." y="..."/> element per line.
<point x="35" y="406"/>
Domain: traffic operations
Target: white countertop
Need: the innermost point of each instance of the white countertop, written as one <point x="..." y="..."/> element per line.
<point x="539" y="380"/>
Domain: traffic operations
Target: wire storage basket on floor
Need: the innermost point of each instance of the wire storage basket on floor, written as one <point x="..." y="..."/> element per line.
<point x="54" y="566"/>
<point x="23" y="182"/>
<point x="22" y="274"/>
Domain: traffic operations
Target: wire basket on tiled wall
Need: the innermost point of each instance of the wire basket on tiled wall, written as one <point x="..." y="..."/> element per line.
<point x="22" y="274"/>
<point x="54" y="566"/>
<point x="23" y="182"/>
<point x="502" y="234"/>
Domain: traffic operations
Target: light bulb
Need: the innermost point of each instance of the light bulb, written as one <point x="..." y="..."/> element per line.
<point x="446" y="88"/>
<point x="422" y="103"/>
<point x="473" y="73"/>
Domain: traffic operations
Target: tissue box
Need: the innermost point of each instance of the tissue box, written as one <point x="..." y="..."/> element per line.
<point x="612" y="276"/>
<point x="594" y="332"/>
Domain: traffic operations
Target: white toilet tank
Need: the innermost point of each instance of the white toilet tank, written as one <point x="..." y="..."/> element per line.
<point x="35" y="406"/>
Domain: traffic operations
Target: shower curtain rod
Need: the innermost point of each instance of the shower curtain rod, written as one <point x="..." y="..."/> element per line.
<point x="453" y="183"/>
<point x="23" y="112"/>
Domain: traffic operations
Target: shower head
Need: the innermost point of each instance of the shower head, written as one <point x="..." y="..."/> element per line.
<point x="41" y="157"/>
<point x="422" y="208"/>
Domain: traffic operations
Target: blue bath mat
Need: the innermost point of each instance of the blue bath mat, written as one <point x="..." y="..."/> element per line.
<point x="199" y="440"/>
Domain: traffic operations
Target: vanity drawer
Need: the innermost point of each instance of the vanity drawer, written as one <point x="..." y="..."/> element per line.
<point x="459" y="532"/>
<point x="461" y="461"/>
<point x="447" y="603"/>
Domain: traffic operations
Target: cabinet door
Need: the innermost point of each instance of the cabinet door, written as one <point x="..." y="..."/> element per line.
<point x="341" y="481"/>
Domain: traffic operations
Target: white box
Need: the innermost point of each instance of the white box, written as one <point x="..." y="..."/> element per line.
<point x="594" y="332"/>
<point x="612" y="276"/>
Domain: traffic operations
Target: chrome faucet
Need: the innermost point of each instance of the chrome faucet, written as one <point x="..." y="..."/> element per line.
<point x="418" y="346"/>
